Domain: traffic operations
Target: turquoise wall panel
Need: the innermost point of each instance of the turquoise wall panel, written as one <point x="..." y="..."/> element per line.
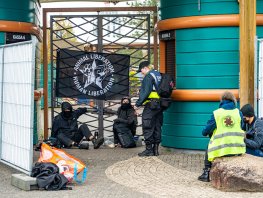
<point x="192" y="107"/>
<point x="186" y="118"/>
<point x="182" y="130"/>
<point x="207" y="33"/>
<point x="207" y="70"/>
<point x="208" y="45"/>
<point x="223" y="57"/>
<point x="19" y="10"/>
<point x="2" y="38"/>
<point x="185" y="142"/>
<point x="184" y="8"/>
<point x="213" y="82"/>
<point x="184" y="122"/>
<point x="174" y="9"/>
<point x="260" y="31"/>
<point x="207" y="58"/>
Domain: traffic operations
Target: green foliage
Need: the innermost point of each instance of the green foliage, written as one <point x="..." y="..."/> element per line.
<point x="64" y="29"/>
<point x="134" y="83"/>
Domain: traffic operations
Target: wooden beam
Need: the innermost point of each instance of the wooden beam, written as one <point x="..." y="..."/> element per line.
<point x="45" y="65"/>
<point x="247" y="10"/>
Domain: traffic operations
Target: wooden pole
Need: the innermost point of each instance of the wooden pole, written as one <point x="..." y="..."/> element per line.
<point x="247" y="9"/>
<point x="45" y="64"/>
<point x="155" y="42"/>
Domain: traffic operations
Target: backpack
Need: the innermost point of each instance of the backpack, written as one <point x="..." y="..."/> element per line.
<point x="166" y="85"/>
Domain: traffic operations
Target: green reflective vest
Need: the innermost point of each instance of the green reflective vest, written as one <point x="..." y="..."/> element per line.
<point x="228" y="137"/>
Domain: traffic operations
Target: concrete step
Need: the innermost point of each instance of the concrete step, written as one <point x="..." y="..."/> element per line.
<point x="24" y="182"/>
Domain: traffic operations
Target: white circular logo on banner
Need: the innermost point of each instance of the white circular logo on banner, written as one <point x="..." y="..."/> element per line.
<point x="93" y="75"/>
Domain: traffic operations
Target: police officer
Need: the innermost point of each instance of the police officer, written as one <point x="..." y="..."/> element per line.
<point x="152" y="116"/>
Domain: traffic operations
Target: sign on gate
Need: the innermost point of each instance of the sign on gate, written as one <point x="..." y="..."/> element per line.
<point x="17" y="66"/>
<point x="92" y="75"/>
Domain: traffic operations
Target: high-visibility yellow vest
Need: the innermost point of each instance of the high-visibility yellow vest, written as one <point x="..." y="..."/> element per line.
<point x="228" y="137"/>
<point x="152" y="95"/>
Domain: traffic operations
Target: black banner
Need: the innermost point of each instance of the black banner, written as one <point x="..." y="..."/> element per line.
<point x="94" y="75"/>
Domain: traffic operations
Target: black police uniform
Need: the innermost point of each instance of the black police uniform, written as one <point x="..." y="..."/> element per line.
<point x="152" y="116"/>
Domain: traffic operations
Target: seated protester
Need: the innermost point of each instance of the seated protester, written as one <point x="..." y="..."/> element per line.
<point x="225" y="131"/>
<point x="125" y="125"/>
<point x="254" y="131"/>
<point x="65" y="127"/>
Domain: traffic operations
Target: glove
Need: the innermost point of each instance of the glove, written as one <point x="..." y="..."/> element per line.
<point x="116" y="120"/>
<point x="83" y="109"/>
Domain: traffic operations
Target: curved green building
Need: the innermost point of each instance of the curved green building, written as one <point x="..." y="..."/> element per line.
<point x="199" y="45"/>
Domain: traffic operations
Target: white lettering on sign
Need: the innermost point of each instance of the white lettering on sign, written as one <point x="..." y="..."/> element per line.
<point x="166" y="35"/>
<point x="19" y="37"/>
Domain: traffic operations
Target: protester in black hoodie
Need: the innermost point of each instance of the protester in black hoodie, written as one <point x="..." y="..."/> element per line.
<point x="254" y="131"/>
<point x="126" y="122"/>
<point x="65" y="127"/>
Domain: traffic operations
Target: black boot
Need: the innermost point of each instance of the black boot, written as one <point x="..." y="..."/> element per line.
<point x="205" y="176"/>
<point x="97" y="142"/>
<point x="156" y="149"/>
<point x="147" y="152"/>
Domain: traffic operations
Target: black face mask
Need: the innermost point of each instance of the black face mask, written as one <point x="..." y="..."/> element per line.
<point x="67" y="114"/>
<point x="126" y="106"/>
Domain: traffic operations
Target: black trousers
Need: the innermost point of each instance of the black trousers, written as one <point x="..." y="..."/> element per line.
<point x="207" y="163"/>
<point x="152" y="121"/>
<point x="67" y="138"/>
<point x="121" y="127"/>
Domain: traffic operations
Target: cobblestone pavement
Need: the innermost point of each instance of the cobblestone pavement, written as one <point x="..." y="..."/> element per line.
<point x="120" y="173"/>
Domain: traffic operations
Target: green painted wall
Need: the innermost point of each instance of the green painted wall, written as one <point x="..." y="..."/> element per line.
<point x="19" y="10"/>
<point x="206" y="58"/>
<point x="2" y="38"/>
<point x="183" y="8"/>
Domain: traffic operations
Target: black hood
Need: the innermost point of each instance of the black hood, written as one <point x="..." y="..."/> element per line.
<point x="126" y="106"/>
<point x="126" y="97"/>
<point x="64" y="106"/>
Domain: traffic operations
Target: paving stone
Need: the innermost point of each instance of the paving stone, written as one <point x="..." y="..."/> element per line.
<point x="119" y="173"/>
<point x="24" y="182"/>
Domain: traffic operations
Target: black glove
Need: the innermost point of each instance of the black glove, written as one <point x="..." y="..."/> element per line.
<point x="116" y="120"/>
<point x="120" y="120"/>
<point x="83" y="109"/>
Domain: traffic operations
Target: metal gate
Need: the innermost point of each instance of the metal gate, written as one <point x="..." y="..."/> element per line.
<point x="17" y="77"/>
<point x="128" y="34"/>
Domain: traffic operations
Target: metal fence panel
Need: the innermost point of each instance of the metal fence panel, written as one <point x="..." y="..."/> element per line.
<point x="16" y="99"/>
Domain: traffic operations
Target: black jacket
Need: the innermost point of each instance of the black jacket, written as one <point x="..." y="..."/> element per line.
<point x="254" y="134"/>
<point x="148" y="83"/>
<point x="64" y="125"/>
<point x="127" y="116"/>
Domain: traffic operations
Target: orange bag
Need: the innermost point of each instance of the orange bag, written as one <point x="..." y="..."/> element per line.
<point x="63" y="160"/>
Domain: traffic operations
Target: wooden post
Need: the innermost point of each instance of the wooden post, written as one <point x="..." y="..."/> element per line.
<point x="155" y="42"/>
<point x="247" y="9"/>
<point x="45" y="64"/>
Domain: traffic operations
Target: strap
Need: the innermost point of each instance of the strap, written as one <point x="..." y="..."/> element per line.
<point x="155" y="81"/>
<point x="84" y="175"/>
